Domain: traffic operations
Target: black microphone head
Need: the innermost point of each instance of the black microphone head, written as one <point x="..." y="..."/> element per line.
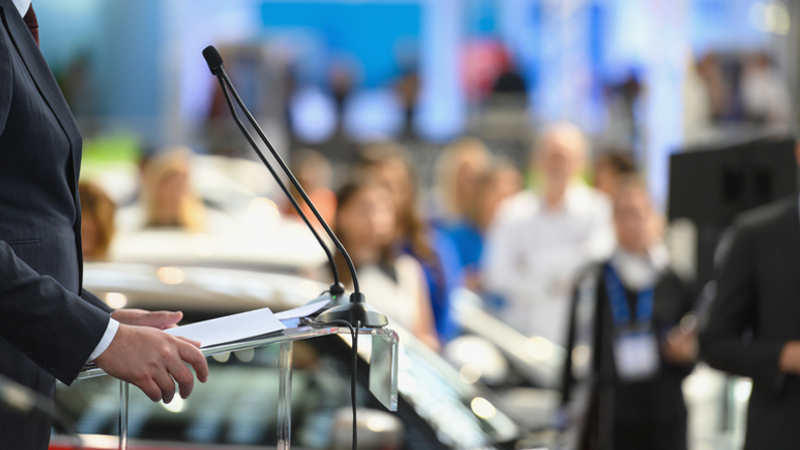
<point x="213" y="59"/>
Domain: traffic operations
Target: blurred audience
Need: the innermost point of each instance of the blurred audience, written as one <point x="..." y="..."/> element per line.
<point x="765" y="93"/>
<point x="391" y="164"/>
<point x="625" y="125"/>
<point x="609" y="167"/>
<point x="540" y="240"/>
<point x="492" y="186"/>
<point x="167" y="196"/>
<point x="457" y="169"/>
<point x="97" y="222"/>
<point x="313" y="171"/>
<point x="393" y="282"/>
<point x="629" y="349"/>
<point x="717" y="88"/>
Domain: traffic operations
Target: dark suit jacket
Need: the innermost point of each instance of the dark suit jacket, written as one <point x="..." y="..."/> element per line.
<point x="756" y="311"/>
<point x="648" y="414"/>
<point x="48" y="326"/>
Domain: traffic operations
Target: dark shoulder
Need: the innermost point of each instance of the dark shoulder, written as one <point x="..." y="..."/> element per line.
<point x="591" y="271"/>
<point x="768" y="216"/>
<point x="671" y="284"/>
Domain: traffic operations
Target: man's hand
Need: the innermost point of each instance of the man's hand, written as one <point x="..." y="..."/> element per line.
<point x="156" y="319"/>
<point x="790" y="358"/>
<point x="151" y="359"/>
<point x="681" y="348"/>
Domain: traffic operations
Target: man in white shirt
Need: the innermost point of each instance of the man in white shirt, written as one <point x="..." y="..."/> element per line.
<point x="539" y="241"/>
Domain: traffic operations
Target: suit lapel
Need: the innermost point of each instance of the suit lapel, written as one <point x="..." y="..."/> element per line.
<point x="45" y="83"/>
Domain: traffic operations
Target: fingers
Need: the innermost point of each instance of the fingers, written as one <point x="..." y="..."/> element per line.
<point x="190" y="341"/>
<point x="157" y="319"/>
<point x="154" y="361"/>
<point x="150" y="388"/>
<point x="183" y="376"/>
<point x="165" y="384"/>
<point x="161" y="319"/>
<point x="193" y="356"/>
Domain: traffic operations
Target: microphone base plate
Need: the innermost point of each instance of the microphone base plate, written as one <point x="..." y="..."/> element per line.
<point x="352" y="313"/>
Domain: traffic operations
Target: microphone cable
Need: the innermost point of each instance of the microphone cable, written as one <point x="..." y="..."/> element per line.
<point x="354" y="332"/>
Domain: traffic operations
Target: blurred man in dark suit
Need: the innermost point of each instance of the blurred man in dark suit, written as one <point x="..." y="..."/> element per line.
<point x="49" y="326"/>
<point x="753" y="328"/>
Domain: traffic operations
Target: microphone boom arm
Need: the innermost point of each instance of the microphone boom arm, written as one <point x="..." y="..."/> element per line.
<point x="283" y="187"/>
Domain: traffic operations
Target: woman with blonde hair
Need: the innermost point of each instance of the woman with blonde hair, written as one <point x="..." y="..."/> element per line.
<point x="456" y="173"/>
<point x="167" y="196"/>
<point x="492" y="187"/>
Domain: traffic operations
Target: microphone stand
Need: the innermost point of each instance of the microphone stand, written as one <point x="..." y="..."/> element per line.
<point x="356" y="312"/>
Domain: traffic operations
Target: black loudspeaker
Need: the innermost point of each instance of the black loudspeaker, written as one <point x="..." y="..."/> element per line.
<point x="710" y="186"/>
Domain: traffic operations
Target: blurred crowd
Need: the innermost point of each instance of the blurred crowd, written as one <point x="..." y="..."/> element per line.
<point x="522" y="238"/>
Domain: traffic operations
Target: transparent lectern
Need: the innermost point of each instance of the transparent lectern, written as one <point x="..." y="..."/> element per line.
<point x="381" y="356"/>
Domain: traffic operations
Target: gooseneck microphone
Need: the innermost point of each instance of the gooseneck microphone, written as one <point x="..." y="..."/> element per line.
<point x="354" y="313"/>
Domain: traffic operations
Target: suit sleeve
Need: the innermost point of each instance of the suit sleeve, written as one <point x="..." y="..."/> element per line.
<point x="722" y="342"/>
<point x="54" y="327"/>
<point x="94" y="300"/>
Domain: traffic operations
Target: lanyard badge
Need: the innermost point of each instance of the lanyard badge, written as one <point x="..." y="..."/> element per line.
<point x="636" y="351"/>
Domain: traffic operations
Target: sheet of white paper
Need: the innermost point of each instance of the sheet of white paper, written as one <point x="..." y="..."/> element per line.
<point x="301" y="311"/>
<point x="230" y="328"/>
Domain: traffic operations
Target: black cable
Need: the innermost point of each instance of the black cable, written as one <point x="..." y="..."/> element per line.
<point x="353" y="384"/>
<point x="283" y="187"/>
<point x="354" y="332"/>
<point x="337" y="243"/>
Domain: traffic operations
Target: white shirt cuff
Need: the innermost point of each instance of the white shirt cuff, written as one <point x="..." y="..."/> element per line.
<point x="108" y="336"/>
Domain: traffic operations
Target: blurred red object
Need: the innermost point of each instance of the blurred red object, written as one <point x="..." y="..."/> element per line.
<point x="482" y="62"/>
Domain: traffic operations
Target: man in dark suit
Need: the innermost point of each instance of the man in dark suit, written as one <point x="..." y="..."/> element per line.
<point x="49" y="326"/>
<point x="753" y="328"/>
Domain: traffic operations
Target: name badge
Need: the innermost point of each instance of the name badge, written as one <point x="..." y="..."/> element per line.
<point x="636" y="355"/>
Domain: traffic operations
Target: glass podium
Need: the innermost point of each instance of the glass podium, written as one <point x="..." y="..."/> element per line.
<point x="381" y="355"/>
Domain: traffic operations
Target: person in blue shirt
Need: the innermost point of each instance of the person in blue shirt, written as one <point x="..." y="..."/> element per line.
<point x="467" y="232"/>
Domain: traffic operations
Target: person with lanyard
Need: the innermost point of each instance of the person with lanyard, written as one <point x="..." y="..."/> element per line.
<point x="631" y="340"/>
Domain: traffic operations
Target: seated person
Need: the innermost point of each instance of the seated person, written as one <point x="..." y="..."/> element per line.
<point x="392" y="281"/>
<point x="391" y="164"/>
<point x="97" y="222"/>
<point x="166" y="200"/>
<point x="457" y="170"/>
<point x="492" y="187"/>
<point x="629" y="349"/>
